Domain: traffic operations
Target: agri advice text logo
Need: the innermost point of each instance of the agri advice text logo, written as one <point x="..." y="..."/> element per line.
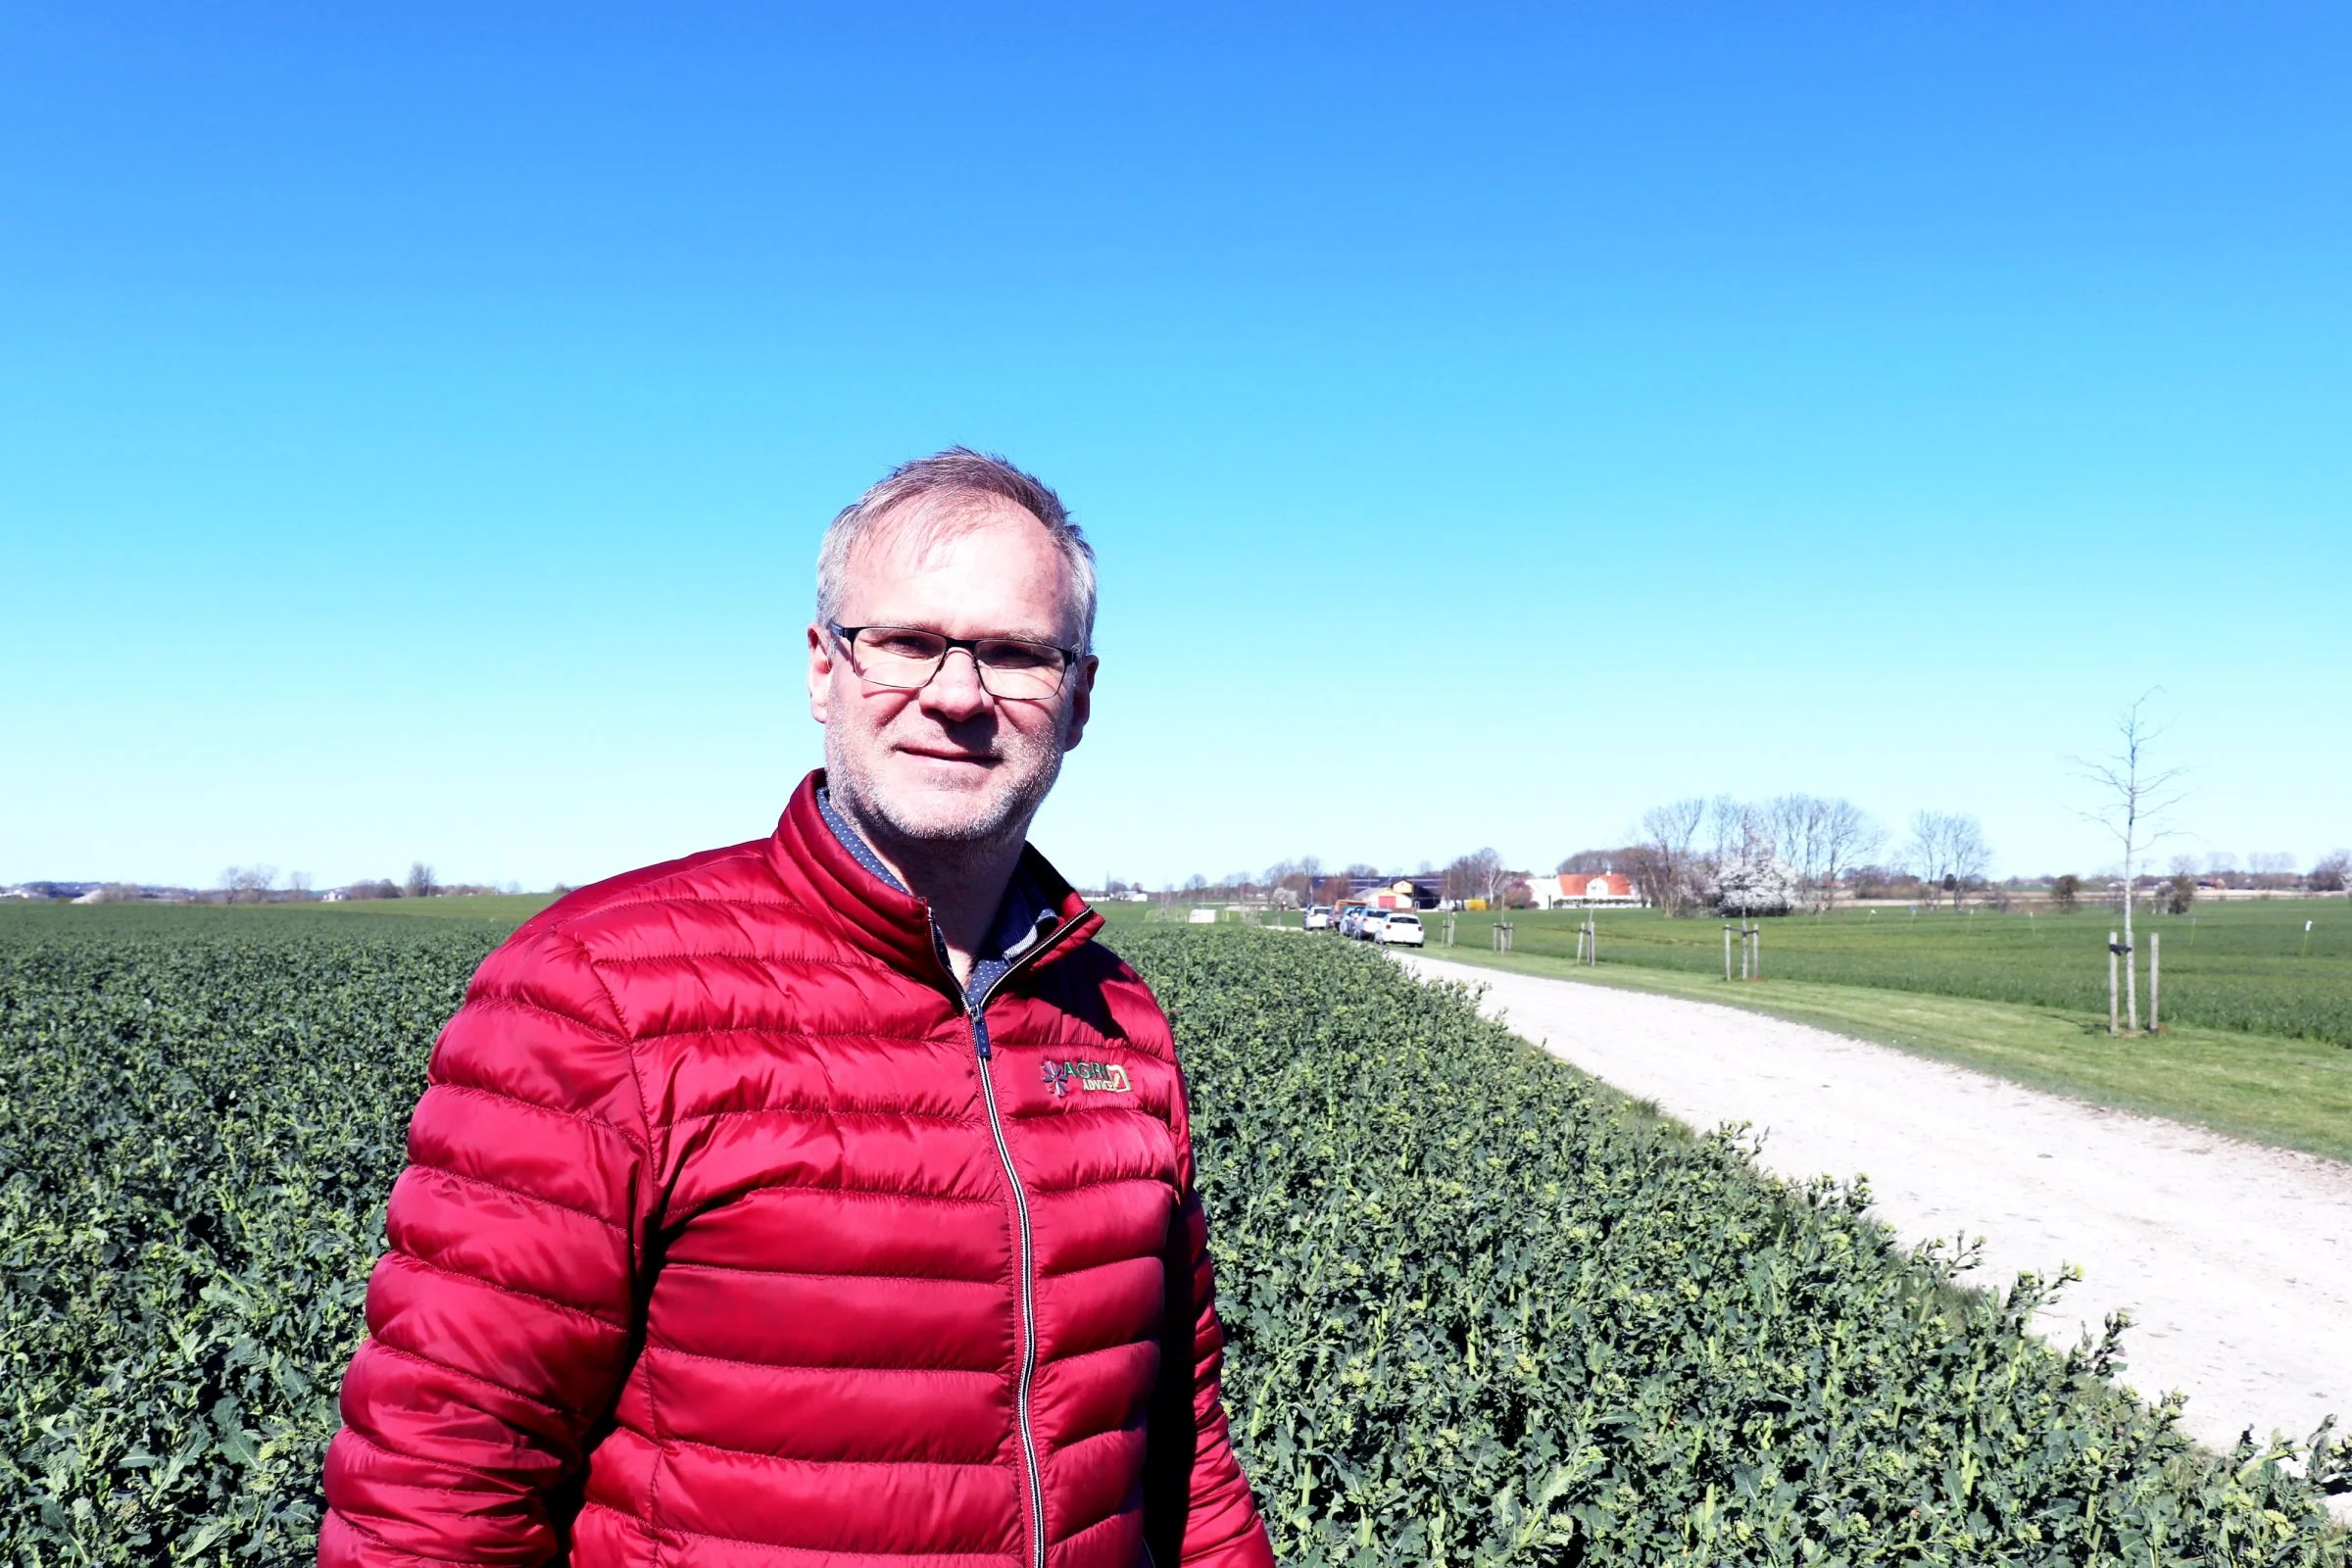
<point x="1109" y="1077"/>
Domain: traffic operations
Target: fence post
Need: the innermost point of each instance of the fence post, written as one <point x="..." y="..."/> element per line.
<point x="2155" y="972"/>
<point x="1726" y="949"/>
<point x="1593" y="944"/>
<point x="2111" y="979"/>
<point x="1758" y="939"/>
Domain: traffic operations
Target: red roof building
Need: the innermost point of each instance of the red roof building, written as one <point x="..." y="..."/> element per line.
<point x="1583" y="888"/>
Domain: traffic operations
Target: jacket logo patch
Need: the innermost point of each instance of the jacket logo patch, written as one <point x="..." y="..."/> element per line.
<point x="1107" y="1077"/>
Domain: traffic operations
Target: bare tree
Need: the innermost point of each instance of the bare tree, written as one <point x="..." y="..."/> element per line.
<point x="420" y="884"/>
<point x="1661" y="866"/>
<point x="1740" y="832"/>
<point x="1480" y="875"/>
<point x="1969" y="854"/>
<point x="1847" y="834"/>
<point x="1946" y="851"/>
<point x="248" y="884"/>
<point x="1819" y="839"/>
<point x="2132" y="799"/>
<point x="1292" y="880"/>
<point x="1923" y="851"/>
<point x="2274" y="869"/>
<point x="1795" y="824"/>
<point x="2330" y="872"/>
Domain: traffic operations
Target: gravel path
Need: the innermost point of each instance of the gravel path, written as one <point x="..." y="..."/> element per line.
<point x="2235" y="1260"/>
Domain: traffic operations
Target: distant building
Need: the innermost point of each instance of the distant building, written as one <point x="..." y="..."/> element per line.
<point x="1582" y="889"/>
<point x="1395" y="892"/>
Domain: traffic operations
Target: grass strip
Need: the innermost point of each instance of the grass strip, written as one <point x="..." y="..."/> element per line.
<point x="2289" y="1094"/>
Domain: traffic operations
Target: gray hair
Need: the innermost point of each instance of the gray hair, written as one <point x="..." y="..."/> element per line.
<point x="957" y="476"/>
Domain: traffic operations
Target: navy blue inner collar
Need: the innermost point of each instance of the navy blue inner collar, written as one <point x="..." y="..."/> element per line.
<point x="1023" y="917"/>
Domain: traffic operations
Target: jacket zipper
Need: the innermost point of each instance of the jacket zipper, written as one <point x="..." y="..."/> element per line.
<point x="1028" y="1298"/>
<point x="977" y="1013"/>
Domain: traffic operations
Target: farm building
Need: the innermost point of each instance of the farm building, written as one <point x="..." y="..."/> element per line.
<point x="1395" y="892"/>
<point x="1581" y="888"/>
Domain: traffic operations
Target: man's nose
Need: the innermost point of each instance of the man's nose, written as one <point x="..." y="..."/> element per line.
<point x="955" y="688"/>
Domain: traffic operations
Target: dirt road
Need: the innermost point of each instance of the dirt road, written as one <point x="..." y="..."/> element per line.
<point x="2235" y="1260"/>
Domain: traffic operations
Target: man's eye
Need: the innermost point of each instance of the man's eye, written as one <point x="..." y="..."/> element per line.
<point x="902" y="644"/>
<point x="1017" y="656"/>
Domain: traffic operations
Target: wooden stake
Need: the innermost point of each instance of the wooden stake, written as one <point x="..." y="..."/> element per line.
<point x="2111" y="979"/>
<point x="2130" y="985"/>
<point x="1756" y="936"/>
<point x="2155" y="973"/>
<point x="1726" y="949"/>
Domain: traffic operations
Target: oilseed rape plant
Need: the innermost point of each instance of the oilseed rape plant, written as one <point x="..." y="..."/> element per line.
<point x="1482" y="1310"/>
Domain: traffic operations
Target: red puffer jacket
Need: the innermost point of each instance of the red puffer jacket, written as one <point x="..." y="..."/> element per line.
<point x="729" y="1237"/>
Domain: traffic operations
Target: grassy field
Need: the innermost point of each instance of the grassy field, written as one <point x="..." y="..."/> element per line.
<point x="2247" y="968"/>
<point x="2291" y="1092"/>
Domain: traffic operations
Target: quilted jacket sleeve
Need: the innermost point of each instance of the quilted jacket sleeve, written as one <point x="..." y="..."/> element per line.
<point x="1198" y="1507"/>
<point x="503" y="1318"/>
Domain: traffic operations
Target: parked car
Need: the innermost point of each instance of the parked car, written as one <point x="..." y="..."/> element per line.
<point x="1318" y="917"/>
<point x="1372" y="924"/>
<point x="1403" y="929"/>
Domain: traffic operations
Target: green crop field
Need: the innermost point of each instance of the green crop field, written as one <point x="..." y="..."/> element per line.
<point x="1482" y="1310"/>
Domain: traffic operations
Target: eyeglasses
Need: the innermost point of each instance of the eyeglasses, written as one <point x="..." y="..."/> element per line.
<point x="905" y="657"/>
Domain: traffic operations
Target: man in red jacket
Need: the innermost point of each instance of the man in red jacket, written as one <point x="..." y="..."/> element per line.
<point x="827" y="1199"/>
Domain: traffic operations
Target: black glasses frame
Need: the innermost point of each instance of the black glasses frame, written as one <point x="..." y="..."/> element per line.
<point x="847" y="636"/>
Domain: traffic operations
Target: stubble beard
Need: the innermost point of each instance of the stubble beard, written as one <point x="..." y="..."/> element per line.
<point x="993" y="817"/>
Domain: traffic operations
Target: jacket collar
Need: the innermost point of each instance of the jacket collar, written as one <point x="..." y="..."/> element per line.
<point x="886" y="922"/>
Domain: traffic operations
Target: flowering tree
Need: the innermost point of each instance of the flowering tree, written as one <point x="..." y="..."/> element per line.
<point x="1757" y="884"/>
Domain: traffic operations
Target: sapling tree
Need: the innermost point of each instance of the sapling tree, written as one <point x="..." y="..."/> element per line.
<point x="2132" y="799"/>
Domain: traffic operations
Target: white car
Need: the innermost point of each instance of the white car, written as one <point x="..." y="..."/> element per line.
<point x="1318" y="917"/>
<point x="1368" y="928"/>
<point x="1403" y="929"/>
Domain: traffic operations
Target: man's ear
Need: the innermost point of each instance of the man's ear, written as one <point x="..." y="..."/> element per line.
<point x="821" y="674"/>
<point x="1082" y="701"/>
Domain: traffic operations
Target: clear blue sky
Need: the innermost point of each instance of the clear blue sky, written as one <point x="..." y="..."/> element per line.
<point x="416" y="424"/>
